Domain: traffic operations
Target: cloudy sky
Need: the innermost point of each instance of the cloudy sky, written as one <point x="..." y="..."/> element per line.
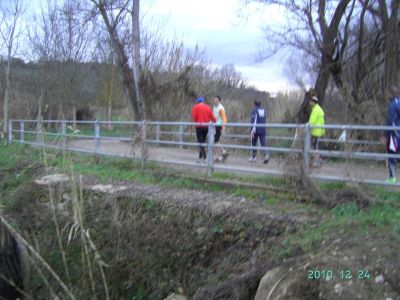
<point x="229" y="38"/>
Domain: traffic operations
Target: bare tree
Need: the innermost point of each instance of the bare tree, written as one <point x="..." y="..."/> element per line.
<point x="374" y="61"/>
<point x="353" y="42"/>
<point x="61" y="41"/>
<point x="115" y="14"/>
<point x="313" y="27"/>
<point x="41" y="37"/>
<point x="73" y="37"/>
<point x="111" y="89"/>
<point x="229" y="77"/>
<point x="10" y="33"/>
<point x="125" y="38"/>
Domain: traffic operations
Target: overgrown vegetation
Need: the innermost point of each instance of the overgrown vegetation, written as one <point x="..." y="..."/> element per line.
<point x="150" y="246"/>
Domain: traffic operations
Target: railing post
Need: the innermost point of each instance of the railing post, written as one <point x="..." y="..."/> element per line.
<point x="21" y="131"/>
<point x="63" y="134"/>
<point x="97" y="136"/>
<point x="158" y="133"/>
<point x="9" y="131"/>
<point x="306" y="151"/>
<point x="210" y="148"/>
<point x="181" y="129"/>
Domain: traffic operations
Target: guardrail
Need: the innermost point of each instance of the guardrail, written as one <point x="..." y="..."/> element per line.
<point x="299" y="138"/>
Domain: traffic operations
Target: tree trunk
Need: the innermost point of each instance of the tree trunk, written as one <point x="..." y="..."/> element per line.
<point x="39" y="118"/>
<point x="109" y="101"/>
<point x="303" y="115"/>
<point x="131" y="76"/>
<point x="136" y="59"/>
<point x="329" y="34"/>
<point x="109" y="114"/>
<point x="74" y="117"/>
<point x="6" y="99"/>
<point x="40" y="104"/>
<point x="60" y="115"/>
<point x="322" y="81"/>
<point x="136" y="78"/>
<point x="391" y="47"/>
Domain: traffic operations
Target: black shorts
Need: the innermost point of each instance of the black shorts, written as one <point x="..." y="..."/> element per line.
<point x="217" y="136"/>
<point x="314" y="143"/>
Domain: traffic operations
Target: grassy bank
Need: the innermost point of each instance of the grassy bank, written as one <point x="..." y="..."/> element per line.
<point x="196" y="243"/>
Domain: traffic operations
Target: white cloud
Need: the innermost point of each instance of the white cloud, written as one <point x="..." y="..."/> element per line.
<point x="266" y="76"/>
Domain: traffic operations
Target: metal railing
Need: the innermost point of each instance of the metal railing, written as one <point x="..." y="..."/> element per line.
<point x="299" y="138"/>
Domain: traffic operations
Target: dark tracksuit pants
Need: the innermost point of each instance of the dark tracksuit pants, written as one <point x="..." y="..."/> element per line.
<point x="392" y="161"/>
<point x="201" y="133"/>
<point x="261" y="137"/>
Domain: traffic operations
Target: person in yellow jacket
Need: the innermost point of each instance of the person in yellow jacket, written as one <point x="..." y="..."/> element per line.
<point x="316" y="119"/>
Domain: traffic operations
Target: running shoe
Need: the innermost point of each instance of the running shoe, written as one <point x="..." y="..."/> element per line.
<point x="225" y="156"/>
<point x="252" y="159"/>
<point x="218" y="159"/>
<point x="391" y="180"/>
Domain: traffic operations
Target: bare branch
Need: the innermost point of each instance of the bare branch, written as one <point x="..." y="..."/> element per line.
<point x="321" y="17"/>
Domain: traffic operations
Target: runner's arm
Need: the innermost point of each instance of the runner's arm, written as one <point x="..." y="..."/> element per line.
<point x="253" y="122"/>
<point x="223" y="116"/>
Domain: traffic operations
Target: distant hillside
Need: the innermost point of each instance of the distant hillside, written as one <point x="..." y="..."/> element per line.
<point x="65" y="88"/>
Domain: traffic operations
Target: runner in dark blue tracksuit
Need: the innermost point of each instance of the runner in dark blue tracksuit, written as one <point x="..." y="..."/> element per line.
<point x="258" y="117"/>
<point x="393" y="136"/>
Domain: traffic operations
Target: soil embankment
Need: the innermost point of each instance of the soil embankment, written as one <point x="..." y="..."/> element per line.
<point x="147" y="241"/>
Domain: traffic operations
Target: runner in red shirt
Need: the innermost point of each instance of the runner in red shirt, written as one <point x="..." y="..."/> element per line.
<point x="202" y="113"/>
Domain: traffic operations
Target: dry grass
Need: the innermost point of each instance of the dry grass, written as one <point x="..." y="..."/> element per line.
<point x="131" y="246"/>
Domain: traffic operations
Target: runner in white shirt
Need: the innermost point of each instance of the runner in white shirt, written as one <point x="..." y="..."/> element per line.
<point x="219" y="112"/>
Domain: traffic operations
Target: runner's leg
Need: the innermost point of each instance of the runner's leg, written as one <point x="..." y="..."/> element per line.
<point x="254" y="143"/>
<point x="315" y="159"/>
<point x="204" y="132"/>
<point x="201" y="134"/>
<point x="218" y="151"/>
<point x="198" y="135"/>
<point x="264" y="144"/>
<point x="392" y="165"/>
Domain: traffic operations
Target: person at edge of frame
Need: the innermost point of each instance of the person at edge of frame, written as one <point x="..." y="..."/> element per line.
<point x="258" y="117"/>
<point x="391" y="138"/>
<point x="219" y="113"/>
<point x="202" y="113"/>
<point x="317" y="118"/>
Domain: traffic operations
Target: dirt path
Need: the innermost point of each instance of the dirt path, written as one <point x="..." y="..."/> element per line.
<point x="360" y="171"/>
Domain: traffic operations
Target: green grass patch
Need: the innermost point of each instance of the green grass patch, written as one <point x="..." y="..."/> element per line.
<point x="375" y="216"/>
<point x="10" y="154"/>
<point x="16" y="165"/>
<point x="270" y="180"/>
<point x="387" y="196"/>
<point x="343" y="220"/>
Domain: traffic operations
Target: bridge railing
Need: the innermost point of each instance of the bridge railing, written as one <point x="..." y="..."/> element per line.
<point x="289" y="139"/>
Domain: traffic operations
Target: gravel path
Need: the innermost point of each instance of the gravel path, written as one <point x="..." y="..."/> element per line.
<point x="363" y="170"/>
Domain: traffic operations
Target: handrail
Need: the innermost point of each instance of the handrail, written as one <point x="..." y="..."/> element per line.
<point x="23" y="131"/>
